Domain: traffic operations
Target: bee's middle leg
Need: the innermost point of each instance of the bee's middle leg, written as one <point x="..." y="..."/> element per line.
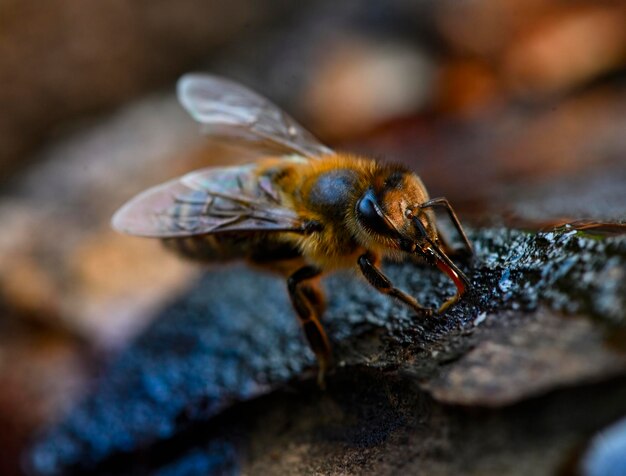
<point x="307" y="300"/>
<point x="367" y="264"/>
<point x="315" y="295"/>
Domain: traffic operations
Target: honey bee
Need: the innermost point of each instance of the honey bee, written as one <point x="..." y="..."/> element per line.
<point x="303" y="209"/>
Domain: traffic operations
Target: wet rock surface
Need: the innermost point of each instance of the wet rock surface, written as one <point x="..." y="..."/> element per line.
<point x="193" y="390"/>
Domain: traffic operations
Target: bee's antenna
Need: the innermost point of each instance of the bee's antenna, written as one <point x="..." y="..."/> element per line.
<point x="442" y="202"/>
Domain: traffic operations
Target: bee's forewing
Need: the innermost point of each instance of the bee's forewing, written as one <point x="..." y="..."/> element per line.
<point x="154" y="212"/>
<point x="230" y="111"/>
<point x="211" y="200"/>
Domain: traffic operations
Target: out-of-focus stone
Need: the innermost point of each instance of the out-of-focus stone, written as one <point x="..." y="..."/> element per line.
<point x="466" y="87"/>
<point x="543" y="164"/>
<point x="538" y="48"/>
<point x="486" y="27"/>
<point x="42" y="373"/>
<point x="116" y="282"/>
<point x="566" y="49"/>
<point x="606" y="455"/>
<point x="64" y="59"/>
<point x="360" y="83"/>
<point x="60" y="260"/>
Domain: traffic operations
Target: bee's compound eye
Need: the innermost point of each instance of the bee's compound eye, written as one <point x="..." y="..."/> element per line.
<point x="370" y="215"/>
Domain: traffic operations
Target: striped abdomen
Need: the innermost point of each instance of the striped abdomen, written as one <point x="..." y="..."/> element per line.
<point x="221" y="247"/>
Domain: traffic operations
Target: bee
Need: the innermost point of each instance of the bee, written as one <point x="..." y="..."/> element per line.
<point x="302" y="209"/>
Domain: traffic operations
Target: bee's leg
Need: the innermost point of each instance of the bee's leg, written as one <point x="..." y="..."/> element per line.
<point x="367" y="264"/>
<point x="443" y="202"/>
<point x="300" y="293"/>
<point x="444" y="243"/>
<point x="315" y="295"/>
<point x="453" y="300"/>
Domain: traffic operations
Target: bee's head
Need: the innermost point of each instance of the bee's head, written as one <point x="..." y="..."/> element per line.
<point x="389" y="208"/>
<point x="391" y="213"/>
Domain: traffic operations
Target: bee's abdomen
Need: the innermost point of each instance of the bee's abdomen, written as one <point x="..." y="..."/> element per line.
<point x="223" y="247"/>
<point x="204" y="247"/>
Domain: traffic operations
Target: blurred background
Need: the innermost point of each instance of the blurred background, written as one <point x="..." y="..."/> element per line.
<point x="513" y="109"/>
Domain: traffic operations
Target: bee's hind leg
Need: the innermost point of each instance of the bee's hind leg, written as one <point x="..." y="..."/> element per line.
<point x="307" y="300"/>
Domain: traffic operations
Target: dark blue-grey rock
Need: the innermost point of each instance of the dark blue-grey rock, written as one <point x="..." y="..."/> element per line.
<point x="183" y="398"/>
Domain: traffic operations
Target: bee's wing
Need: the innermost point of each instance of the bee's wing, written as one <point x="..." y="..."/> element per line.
<point x="212" y="200"/>
<point x="232" y="112"/>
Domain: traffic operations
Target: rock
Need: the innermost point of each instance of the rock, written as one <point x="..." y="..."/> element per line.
<point x="72" y="194"/>
<point x="541" y="49"/>
<point x="566" y="49"/>
<point x="232" y="338"/>
<point x="362" y="83"/>
<point x="68" y="60"/>
<point x="606" y="455"/>
<point x="530" y="355"/>
<point x="42" y="372"/>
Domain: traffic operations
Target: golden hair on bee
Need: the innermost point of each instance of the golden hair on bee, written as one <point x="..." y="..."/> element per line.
<point x="303" y="209"/>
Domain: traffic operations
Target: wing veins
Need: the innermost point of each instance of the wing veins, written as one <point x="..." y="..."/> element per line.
<point x="244" y="115"/>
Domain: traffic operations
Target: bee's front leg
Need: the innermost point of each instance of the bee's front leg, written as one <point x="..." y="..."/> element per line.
<point x="367" y="264"/>
<point x="308" y="300"/>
